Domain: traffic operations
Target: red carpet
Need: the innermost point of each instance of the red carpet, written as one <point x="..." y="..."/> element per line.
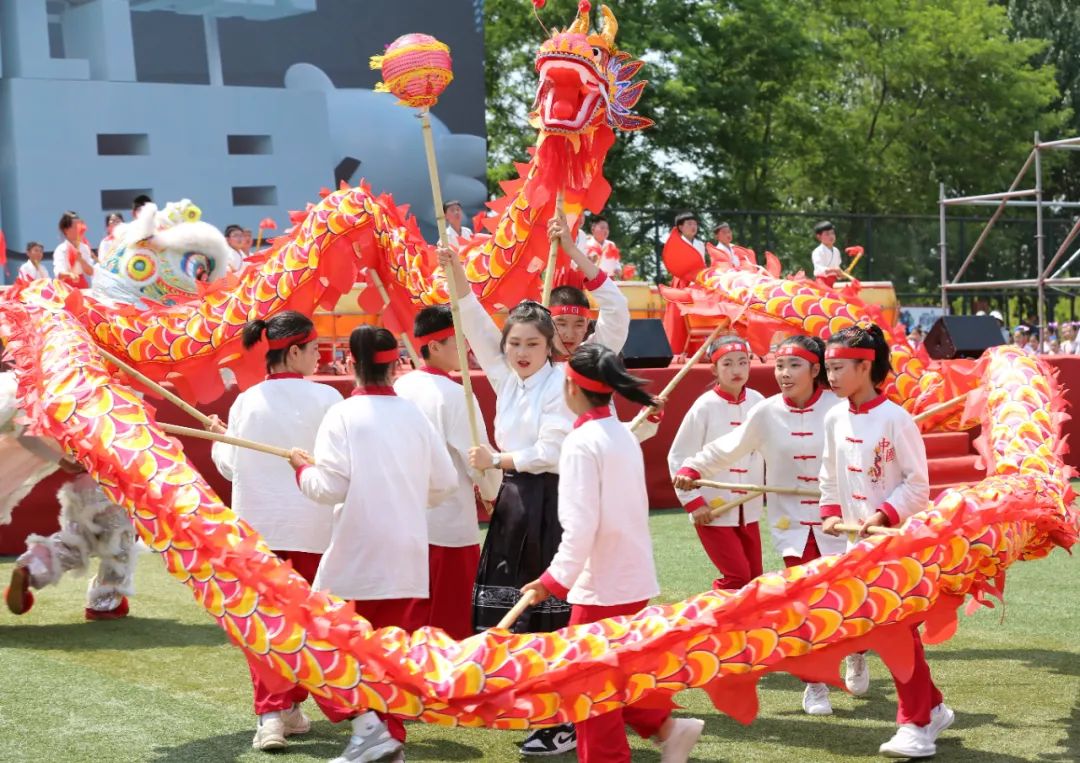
<point x="952" y="461"/>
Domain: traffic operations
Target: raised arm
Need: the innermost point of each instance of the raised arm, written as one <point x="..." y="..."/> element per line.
<point x="483" y="335"/>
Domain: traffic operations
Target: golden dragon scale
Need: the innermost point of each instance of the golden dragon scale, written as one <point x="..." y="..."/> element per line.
<point x="800" y="620"/>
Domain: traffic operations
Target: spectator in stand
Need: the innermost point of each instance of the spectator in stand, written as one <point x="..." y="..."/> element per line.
<point x="602" y="250"/>
<point x="234" y="236"/>
<point x="1068" y="344"/>
<point x="723" y="235"/>
<point x="915" y="337"/>
<point x="996" y="315"/>
<point x="687" y="225"/>
<point x="111" y="221"/>
<point x="249" y="242"/>
<point x="1053" y="346"/>
<point x="33" y="268"/>
<point x="1032" y="347"/>
<point x="73" y="262"/>
<point x="1020" y="336"/>
<point x="137" y="203"/>
<point x="826" y="257"/>
<point x="456" y="231"/>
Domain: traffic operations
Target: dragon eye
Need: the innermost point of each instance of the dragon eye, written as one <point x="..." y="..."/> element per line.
<point x="597" y="52"/>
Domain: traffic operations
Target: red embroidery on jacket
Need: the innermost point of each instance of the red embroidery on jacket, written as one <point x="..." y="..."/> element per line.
<point x="884" y="452"/>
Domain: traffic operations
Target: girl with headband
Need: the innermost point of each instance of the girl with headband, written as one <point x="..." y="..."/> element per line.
<point x="381" y="465"/>
<point x="604" y="564"/>
<point x="285" y="410"/>
<point x="788" y="431"/>
<point x="732" y="540"/>
<point x="874" y="473"/>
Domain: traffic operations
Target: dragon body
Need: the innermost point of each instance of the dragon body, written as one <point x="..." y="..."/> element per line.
<point x="800" y="620"/>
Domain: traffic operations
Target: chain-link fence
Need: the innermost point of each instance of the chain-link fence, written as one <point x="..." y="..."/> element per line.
<point x="902" y="249"/>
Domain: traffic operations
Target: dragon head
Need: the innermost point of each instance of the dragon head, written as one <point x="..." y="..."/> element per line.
<point x="585" y="81"/>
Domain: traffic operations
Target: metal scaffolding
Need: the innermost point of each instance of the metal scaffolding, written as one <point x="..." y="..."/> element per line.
<point x="1022" y="197"/>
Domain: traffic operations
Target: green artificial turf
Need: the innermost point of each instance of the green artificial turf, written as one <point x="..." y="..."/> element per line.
<point x="163" y="685"/>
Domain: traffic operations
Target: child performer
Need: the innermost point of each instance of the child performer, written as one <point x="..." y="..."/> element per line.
<point x="284" y="410"/>
<point x="570" y="308"/>
<point x="531" y="421"/>
<point x="73" y="261"/>
<point x="826" y="257"/>
<point x="453" y="534"/>
<point x="732" y="540"/>
<point x="788" y="430"/>
<point x="874" y="474"/>
<point x="604" y="565"/>
<point x="90" y="525"/>
<point x="32" y="269"/>
<point x="570" y="312"/>
<point x="380" y="463"/>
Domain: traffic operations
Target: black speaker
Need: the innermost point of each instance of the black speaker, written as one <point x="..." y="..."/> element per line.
<point x="647" y="345"/>
<point x="962" y="336"/>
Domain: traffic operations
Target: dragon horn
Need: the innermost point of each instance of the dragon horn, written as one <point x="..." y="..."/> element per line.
<point x="611" y="27"/>
<point x="581" y="23"/>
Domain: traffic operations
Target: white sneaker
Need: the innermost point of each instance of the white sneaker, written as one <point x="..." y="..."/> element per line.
<point x="554" y="740"/>
<point x="295" y="721"/>
<point x="370" y="741"/>
<point x="270" y="733"/>
<point x="815" y="700"/>
<point x="681" y="738"/>
<point x="941" y="717"/>
<point x="910" y="741"/>
<point x="857" y="674"/>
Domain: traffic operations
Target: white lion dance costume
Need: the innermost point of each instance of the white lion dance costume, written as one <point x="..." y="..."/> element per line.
<point x="89" y="524"/>
<point x="157" y="258"/>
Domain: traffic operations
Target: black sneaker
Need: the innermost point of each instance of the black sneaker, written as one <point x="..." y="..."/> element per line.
<point x="553" y="741"/>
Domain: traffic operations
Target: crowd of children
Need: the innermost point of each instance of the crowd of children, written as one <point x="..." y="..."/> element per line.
<point x="376" y="502"/>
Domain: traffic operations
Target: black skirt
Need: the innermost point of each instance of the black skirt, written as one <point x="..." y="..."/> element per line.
<point x="522" y="539"/>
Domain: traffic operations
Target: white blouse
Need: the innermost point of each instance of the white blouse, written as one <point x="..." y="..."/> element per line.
<point x="285" y="411"/>
<point x="531" y="417"/>
<point x="605" y="556"/>
<point x="32" y="271"/>
<point x="791" y="440"/>
<point x="714" y="415"/>
<point x="383" y="464"/>
<point x="874" y="460"/>
<point x="442" y="401"/>
<point x="825" y="257"/>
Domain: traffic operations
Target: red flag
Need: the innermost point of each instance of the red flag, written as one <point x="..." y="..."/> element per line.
<point x="3" y="249"/>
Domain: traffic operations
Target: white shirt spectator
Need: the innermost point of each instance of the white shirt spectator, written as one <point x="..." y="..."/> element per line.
<point x="454" y="239"/>
<point x="824" y="258"/>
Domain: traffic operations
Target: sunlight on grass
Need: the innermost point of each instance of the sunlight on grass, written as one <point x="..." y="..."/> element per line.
<point x="164" y="685"/>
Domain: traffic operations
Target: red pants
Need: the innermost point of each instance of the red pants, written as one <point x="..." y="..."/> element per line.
<point x="736" y="552"/>
<point x="810" y="551"/>
<point x="917" y="696"/>
<point x="827" y="280"/>
<point x="452" y="572"/>
<point x="305" y="563"/>
<point x="603" y="739"/>
<point x="381" y="613"/>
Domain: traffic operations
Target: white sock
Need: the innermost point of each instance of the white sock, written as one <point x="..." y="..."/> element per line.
<point x="275" y="715"/>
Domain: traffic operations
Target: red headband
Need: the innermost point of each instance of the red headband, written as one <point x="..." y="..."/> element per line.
<point x="727" y="347"/>
<point x="839" y="352"/>
<point x="570" y="310"/>
<point x="794" y="350"/>
<point x="386" y="356"/>
<point x="288" y="341"/>
<point x="437" y="336"/>
<point x="585" y="382"/>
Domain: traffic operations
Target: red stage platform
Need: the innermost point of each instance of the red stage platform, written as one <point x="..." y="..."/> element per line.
<point x="951" y="462"/>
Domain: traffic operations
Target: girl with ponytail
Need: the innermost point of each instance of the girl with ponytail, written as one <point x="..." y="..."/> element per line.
<point x="732" y="540"/>
<point x="378" y="466"/>
<point x="285" y="410"/>
<point x="604" y="563"/>
<point x="788" y="432"/>
<point x="874" y="473"/>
